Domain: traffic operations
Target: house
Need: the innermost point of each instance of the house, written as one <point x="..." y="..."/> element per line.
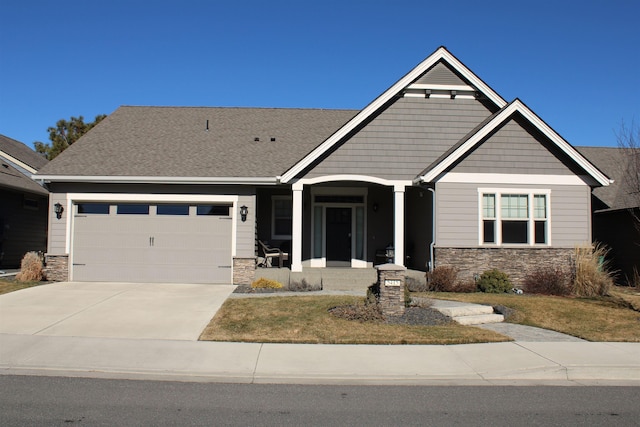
<point x="616" y="217"/>
<point x="437" y="170"/>
<point x="23" y="203"/>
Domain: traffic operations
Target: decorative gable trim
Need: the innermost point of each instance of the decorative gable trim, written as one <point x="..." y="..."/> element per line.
<point x="501" y="117"/>
<point x="441" y="54"/>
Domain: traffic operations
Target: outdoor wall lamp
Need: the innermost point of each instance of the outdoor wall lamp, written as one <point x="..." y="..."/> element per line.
<point x="58" y="209"/>
<point x="243" y="212"/>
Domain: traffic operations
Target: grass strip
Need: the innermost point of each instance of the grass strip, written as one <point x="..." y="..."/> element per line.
<point x="305" y="319"/>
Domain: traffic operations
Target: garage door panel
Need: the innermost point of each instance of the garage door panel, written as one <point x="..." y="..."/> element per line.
<point x="150" y="248"/>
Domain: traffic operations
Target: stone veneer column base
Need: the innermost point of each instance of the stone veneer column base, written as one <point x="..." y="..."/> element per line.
<point x="518" y="263"/>
<point x="244" y="271"/>
<point x="56" y="267"/>
<point x="391" y="283"/>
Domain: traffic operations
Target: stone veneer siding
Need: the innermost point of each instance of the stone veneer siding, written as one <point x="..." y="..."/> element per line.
<point x="57" y="268"/>
<point x="244" y="271"/>
<point x="391" y="298"/>
<point x="516" y="262"/>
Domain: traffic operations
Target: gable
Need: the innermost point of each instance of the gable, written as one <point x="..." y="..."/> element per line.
<point x="398" y="143"/>
<point x="441" y="74"/>
<point x="515" y="148"/>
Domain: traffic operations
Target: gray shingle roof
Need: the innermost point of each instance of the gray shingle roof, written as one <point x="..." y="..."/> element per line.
<point x="615" y="163"/>
<point x="19" y="179"/>
<point x="21" y="152"/>
<point x="174" y="142"/>
<point x="12" y="178"/>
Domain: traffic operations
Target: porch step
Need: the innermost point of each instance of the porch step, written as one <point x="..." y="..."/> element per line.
<point x="467" y="313"/>
<point x="466" y="310"/>
<point x="479" y="319"/>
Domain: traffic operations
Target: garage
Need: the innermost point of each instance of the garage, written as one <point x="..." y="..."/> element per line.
<point x="147" y="242"/>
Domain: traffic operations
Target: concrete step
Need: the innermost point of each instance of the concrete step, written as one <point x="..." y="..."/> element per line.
<point x="465" y="310"/>
<point x="479" y="319"/>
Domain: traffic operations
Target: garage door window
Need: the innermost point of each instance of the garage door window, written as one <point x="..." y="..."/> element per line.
<point x="93" y="208"/>
<point x="215" y="210"/>
<point x="133" y="209"/>
<point x="172" y="210"/>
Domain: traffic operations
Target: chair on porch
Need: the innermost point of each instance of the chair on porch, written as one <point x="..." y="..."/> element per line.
<point x="271" y="253"/>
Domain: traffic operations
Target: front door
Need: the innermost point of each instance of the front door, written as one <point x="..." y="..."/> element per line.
<point x="338" y="222"/>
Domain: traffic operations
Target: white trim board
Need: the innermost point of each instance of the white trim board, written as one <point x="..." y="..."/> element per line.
<point x="158" y="179"/>
<point x="516" y="179"/>
<point x="11" y="159"/>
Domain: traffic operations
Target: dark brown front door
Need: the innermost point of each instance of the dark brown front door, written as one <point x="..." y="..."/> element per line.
<point x="339" y="236"/>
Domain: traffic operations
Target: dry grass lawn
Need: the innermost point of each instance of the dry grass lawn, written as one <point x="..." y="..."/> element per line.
<point x="305" y="319"/>
<point x="7" y="285"/>
<point x="593" y="319"/>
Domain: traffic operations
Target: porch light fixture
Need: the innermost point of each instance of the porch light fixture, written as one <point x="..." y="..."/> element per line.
<point x="58" y="209"/>
<point x="243" y="212"/>
<point x="375" y="207"/>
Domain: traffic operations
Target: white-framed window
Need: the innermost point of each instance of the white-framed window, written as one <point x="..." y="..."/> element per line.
<point x="281" y="217"/>
<point x="514" y="217"/>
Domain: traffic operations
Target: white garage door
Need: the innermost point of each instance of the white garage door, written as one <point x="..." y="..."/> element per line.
<point x="164" y="243"/>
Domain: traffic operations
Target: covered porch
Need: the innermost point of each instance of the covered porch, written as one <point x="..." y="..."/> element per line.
<point x="349" y="221"/>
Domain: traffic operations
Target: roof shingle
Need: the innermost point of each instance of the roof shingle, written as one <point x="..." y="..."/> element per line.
<point x="197" y="142"/>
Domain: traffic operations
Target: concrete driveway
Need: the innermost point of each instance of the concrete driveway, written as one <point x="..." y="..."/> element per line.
<point x="112" y="310"/>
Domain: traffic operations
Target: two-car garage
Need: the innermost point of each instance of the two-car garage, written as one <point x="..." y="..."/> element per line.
<point x="168" y="242"/>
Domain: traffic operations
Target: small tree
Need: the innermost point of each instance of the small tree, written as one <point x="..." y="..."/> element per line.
<point x="628" y="137"/>
<point x="65" y="133"/>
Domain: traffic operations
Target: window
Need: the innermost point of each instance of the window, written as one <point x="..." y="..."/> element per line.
<point x="93" y="208"/>
<point x="133" y="209"/>
<point x="281" y="217"/>
<point x="172" y="210"/>
<point x="213" y="210"/>
<point x="514" y="217"/>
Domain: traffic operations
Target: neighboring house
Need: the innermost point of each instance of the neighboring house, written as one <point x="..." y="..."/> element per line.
<point x="616" y="217"/>
<point x="23" y="203"/>
<point x="439" y="167"/>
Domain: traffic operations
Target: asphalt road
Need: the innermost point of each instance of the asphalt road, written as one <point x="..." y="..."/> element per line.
<point x="52" y="401"/>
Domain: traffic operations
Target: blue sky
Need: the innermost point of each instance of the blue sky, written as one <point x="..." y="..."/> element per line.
<point x="575" y="63"/>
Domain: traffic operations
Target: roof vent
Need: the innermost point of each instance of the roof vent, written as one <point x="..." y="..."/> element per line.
<point x="273" y="139"/>
<point x="207" y="126"/>
<point x="256" y="139"/>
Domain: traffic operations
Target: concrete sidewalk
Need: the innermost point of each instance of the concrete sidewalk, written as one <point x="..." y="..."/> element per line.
<point x="517" y="363"/>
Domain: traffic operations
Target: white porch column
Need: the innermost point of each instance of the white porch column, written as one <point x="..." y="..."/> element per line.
<point x="296" y="231"/>
<point x="398" y="224"/>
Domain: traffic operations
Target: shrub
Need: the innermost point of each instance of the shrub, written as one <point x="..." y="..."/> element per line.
<point x="494" y="282"/>
<point x="443" y="278"/>
<point x="415" y="285"/>
<point x="359" y="312"/>
<point x="553" y="281"/>
<point x="263" y="283"/>
<point x="303" y="286"/>
<point x="30" y="268"/>
<point x="591" y="274"/>
<point x="466" y="286"/>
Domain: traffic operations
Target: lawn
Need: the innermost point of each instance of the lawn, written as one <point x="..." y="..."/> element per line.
<point x="305" y="319"/>
<point x="594" y="319"/>
<point x="10" y="285"/>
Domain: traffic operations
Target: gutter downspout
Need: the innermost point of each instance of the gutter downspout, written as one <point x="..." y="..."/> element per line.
<point x="433" y="227"/>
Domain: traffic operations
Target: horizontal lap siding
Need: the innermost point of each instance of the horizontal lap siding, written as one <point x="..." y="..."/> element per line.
<point x="457" y="215"/>
<point x="570" y="215"/>
<point x="404" y="139"/>
<point x="512" y="149"/>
